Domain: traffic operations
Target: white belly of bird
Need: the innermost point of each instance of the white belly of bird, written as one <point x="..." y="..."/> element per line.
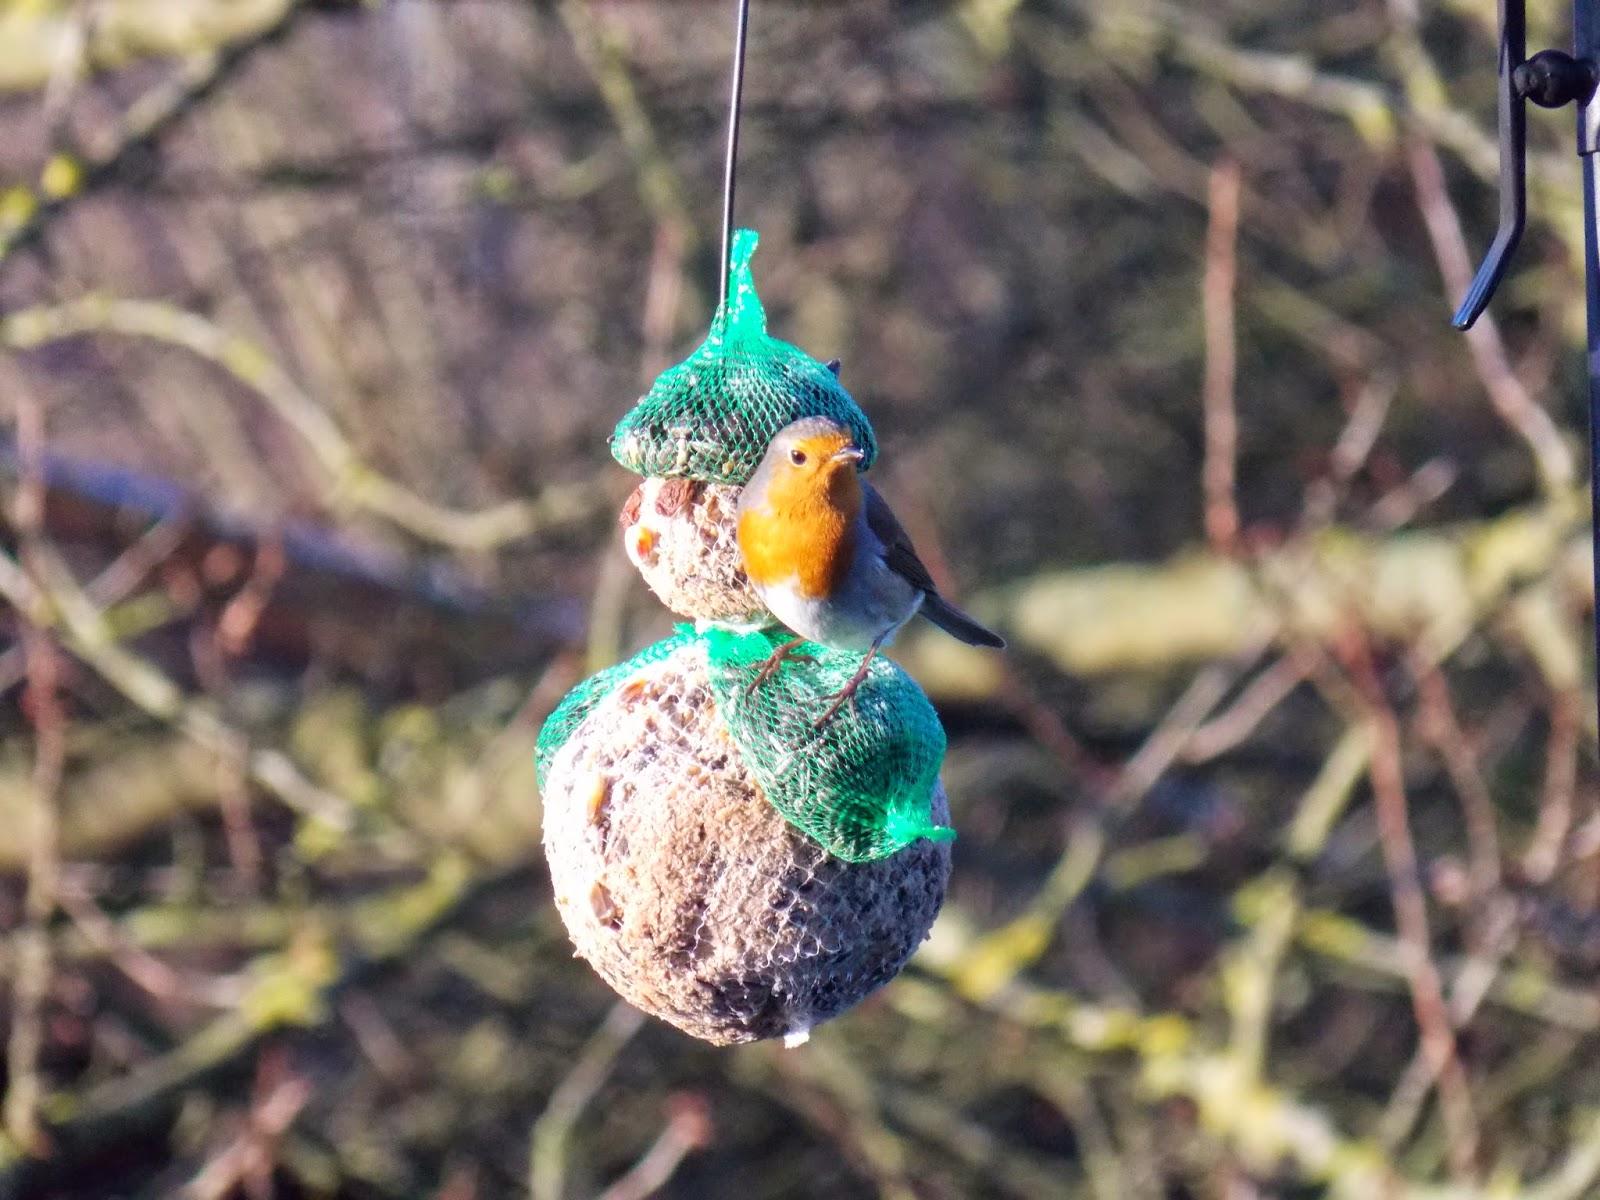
<point x="869" y="609"/>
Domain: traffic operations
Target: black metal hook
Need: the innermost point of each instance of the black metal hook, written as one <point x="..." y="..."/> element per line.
<point x="1513" y="121"/>
<point x="1551" y="79"/>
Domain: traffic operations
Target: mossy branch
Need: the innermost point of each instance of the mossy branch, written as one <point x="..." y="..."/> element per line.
<point x="1431" y="587"/>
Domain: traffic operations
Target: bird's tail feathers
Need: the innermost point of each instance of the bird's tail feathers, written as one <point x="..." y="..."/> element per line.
<point x="957" y="624"/>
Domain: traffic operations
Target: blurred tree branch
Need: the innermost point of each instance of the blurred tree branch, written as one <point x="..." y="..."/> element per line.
<point x="55" y="601"/>
<point x="286" y="989"/>
<point x="211" y="55"/>
<point x="40" y="41"/>
<point x="33" y="960"/>
<point x="1434" y="586"/>
<point x="348" y="482"/>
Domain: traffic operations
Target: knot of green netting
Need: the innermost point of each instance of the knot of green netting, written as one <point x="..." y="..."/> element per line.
<point x="862" y="782"/>
<point x="711" y="416"/>
<point x="577" y="704"/>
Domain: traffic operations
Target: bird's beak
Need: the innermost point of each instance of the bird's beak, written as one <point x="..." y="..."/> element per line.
<point x="850" y="454"/>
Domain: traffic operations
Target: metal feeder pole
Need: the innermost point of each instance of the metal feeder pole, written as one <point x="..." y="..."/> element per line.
<point x="1551" y="79"/>
<point x="730" y="163"/>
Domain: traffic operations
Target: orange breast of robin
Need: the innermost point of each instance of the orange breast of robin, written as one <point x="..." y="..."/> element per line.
<point x="803" y="534"/>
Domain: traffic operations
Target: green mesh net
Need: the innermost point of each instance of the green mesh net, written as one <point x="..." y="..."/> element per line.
<point x="861" y="784"/>
<point x="577" y="704"/>
<point x="711" y="416"/>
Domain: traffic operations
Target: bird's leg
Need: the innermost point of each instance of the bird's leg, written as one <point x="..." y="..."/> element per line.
<point x="776" y="659"/>
<point x="848" y="692"/>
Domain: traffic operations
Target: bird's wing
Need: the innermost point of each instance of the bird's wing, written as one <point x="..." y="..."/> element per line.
<point x="898" y="551"/>
<point x="902" y="558"/>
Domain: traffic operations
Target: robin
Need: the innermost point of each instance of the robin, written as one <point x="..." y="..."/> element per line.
<point x="827" y="556"/>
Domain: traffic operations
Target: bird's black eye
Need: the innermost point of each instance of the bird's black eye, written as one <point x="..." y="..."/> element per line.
<point x="797" y="457"/>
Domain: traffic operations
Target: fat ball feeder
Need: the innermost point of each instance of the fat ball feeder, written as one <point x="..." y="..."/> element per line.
<point x="721" y="859"/>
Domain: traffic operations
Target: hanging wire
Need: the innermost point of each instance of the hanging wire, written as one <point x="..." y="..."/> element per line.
<point x="730" y="167"/>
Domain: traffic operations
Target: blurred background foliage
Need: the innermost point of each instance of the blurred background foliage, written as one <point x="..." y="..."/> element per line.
<point x="1280" y="852"/>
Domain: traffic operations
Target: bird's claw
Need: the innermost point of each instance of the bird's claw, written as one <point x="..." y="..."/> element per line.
<point x="847" y="695"/>
<point x="848" y="692"/>
<point x="784" y="653"/>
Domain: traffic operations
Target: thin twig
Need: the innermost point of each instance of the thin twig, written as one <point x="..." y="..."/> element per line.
<point x="1170" y="738"/>
<point x="142" y="968"/>
<point x="1368" y="412"/>
<point x="1270" y="906"/>
<point x="1440" y="727"/>
<point x="33" y="965"/>
<point x="246" y="1163"/>
<point x="1543" y="854"/>
<point x="835" y="1091"/>
<point x="547" y="1155"/>
<point x="1254" y="704"/>
<point x="237" y="623"/>
<point x="1468" y="991"/>
<point x="688" y="1129"/>
<point x="1221" y="361"/>
<point x="1400" y="505"/>
<point x="1411" y="915"/>
<point x="1511" y="400"/>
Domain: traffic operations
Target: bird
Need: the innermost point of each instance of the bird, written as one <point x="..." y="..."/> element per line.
<point x="829" y="559"/>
